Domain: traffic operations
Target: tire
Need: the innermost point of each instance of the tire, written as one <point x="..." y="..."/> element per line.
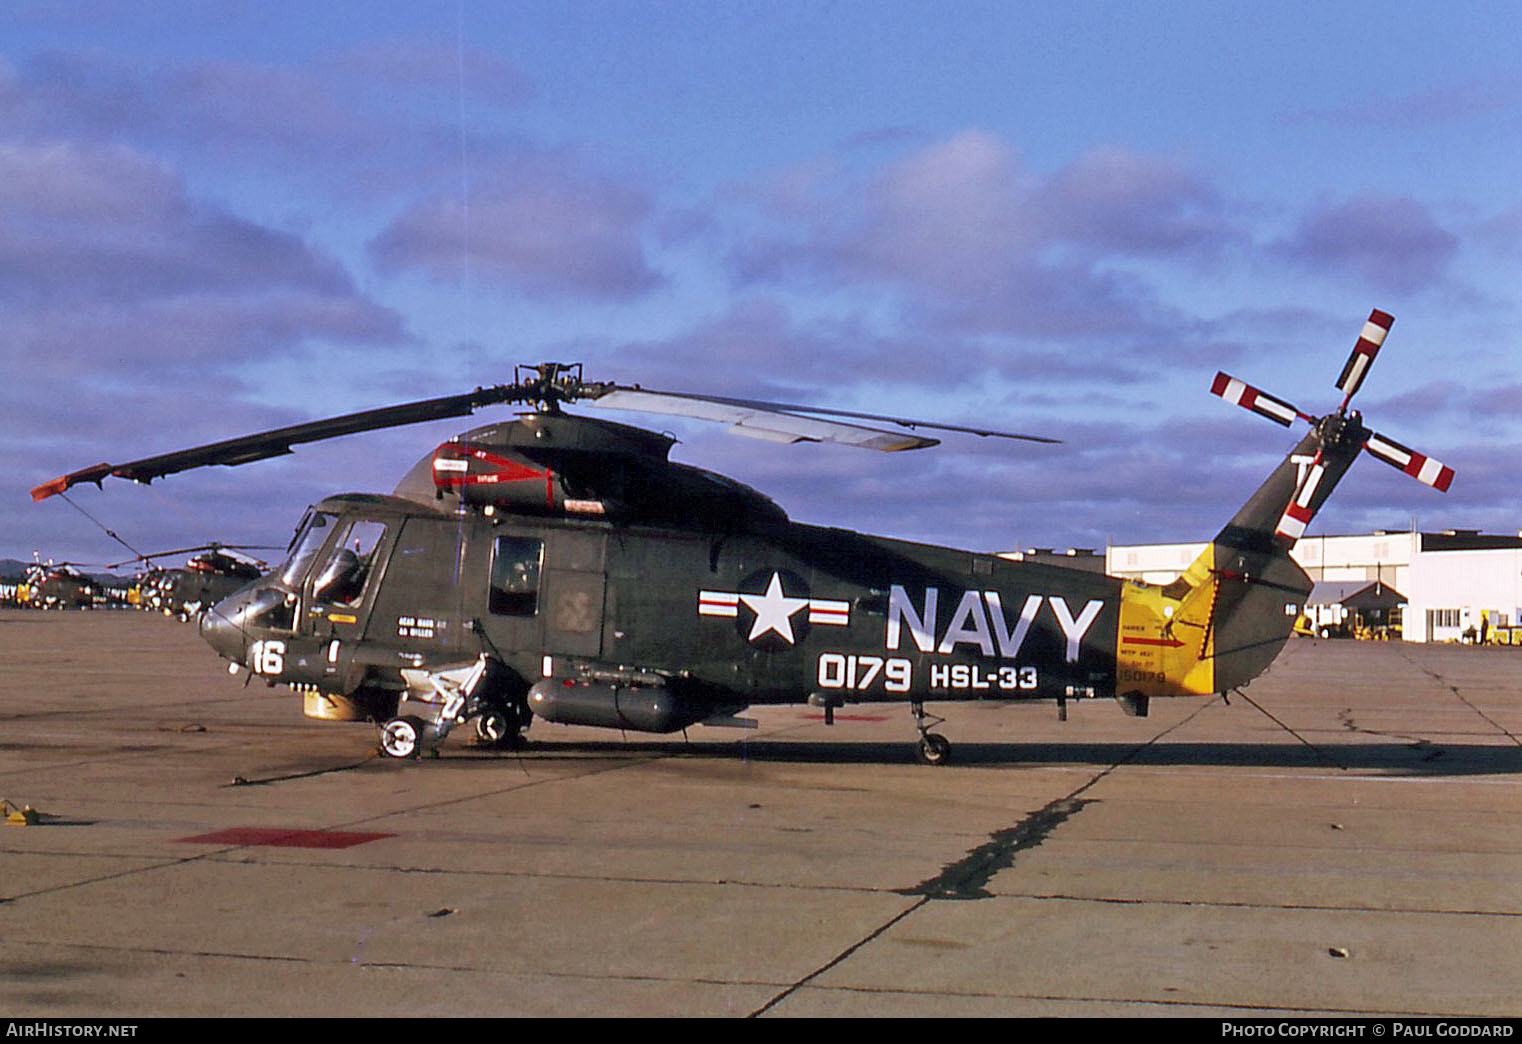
<point x="934" y="749"/>
<point x="402" y="737"/>
<point x="495" y="727"/>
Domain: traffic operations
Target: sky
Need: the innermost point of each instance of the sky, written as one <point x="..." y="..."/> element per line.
<point x="1059" y="218"/>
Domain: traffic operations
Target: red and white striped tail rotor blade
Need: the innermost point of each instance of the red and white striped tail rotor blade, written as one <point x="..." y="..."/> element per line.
<point x="1369" y="339"/>
<point x="1418" y="465"/>
<point x="1260" y="402"/>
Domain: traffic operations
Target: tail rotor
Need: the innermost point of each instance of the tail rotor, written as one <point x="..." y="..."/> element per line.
<point x="1336" y="438"/>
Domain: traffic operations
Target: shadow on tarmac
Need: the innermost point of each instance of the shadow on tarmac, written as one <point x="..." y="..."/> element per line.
<point x="1403" y="759"/>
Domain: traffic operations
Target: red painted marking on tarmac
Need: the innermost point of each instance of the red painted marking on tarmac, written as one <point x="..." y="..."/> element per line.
<point x="275" y="837"/>
<point x="848" y="717"/>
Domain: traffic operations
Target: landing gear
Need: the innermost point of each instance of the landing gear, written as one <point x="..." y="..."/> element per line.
<point x="455" y="695"/>
<point x="502" y="725"/>
<point x="934" y="749"/>
<point x="402" y="737"/>
<point x="492" y="727"/>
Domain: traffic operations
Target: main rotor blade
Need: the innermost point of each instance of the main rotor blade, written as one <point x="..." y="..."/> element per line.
<point x="546" y="385"/>
<point x="1418" y="465"/>
<point x="782" y="420"/>
<point x="1369" y="339"/>
<point x="193" y="550"/>
<point x="262" y="445"/>
<point x="1260" y="402"/>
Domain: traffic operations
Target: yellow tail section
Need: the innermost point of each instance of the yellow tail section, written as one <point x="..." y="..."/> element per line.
<point x="1214" y="628"/>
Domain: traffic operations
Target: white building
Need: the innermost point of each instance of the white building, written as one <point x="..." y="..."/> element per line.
<point x="1452" y="581"/>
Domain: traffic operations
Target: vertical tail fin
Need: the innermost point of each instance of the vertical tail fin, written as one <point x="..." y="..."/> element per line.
<point x="1224" y="620"/>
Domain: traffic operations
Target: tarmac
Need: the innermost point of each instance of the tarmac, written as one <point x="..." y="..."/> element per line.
<point x="1342" y="839"/>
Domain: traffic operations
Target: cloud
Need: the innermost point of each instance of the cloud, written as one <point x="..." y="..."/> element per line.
<point x="98" y="95"/>
<point x="410" y="66"/>
<point x="107" y="264"/>
<point x="979" y="242"/>
<point x="541" y="223"/>
<point x="1428" y="109"/>
<point x="105" y="223"/>
<point x="375" y="119"/>
<point x="1391" y="242"/>
<point x="1133" y="204"/>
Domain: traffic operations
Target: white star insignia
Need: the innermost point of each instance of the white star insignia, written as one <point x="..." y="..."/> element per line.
<point x="774" y="611"/>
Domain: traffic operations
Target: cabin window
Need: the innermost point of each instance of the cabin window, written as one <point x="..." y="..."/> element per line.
<point x="341" y="581"/>
<point x="515" y="563"/>
<point x="306" y="545"/>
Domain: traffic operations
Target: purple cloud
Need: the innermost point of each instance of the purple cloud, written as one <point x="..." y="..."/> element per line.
<point x="1130" y="203"/>
<point x="105" y="223"/>
<point x="1386" y="242"/>
<point x="1430" y="108"/>
<point x="106" y="263"/>
<point x="408" y="65"/>
<point x="333" y="122"/>
<point x="542" y="223"/>
<point x="980" y="243"/>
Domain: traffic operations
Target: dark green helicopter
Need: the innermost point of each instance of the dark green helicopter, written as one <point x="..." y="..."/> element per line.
<point x="56" y="585"/>
<point x="209" y="575"/>
<point x="561" y="566"/>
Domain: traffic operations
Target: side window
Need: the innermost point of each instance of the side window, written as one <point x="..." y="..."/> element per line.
<point x="515" y="563"/>
<point x="341" y="581"/>
<point x="305" y="547"/>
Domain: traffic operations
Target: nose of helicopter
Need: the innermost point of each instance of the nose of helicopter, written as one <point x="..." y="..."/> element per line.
<point x="220" y="630"/>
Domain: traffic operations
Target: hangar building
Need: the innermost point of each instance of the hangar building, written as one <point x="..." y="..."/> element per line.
<point x="1456" y="584"/>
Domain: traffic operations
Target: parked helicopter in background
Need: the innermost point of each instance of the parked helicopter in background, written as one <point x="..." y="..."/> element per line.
<point x="208" y="576"/>
<point x="561" y="566"/>
<point x="56" y="585"/>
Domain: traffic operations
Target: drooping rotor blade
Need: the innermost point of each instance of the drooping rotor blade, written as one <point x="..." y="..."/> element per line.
<point x="789" y="422"/>
<point x="193" y="550"/>
<point x="1369" y="339"/>
<point x="1260" y="402"/>
<point x="545" y="386"/>
<point x="1418" y="465"/>
<point x="262" y="445"/>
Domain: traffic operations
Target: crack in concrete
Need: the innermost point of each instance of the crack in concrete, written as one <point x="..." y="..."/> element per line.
<point x="968" y="877"/>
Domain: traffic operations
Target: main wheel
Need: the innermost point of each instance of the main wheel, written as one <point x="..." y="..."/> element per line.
<point x="402" y="737"/>
<point x="494" y="727"/>
<point x="935" y="749"/>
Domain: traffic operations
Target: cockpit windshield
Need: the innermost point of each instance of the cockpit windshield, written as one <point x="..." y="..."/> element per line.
<point x="308" y="542"/>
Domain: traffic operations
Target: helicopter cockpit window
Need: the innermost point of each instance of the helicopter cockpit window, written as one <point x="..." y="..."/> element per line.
<point x="515" y="565"/>
<point x="307" y="543"/>
<point x="341" y="581"/>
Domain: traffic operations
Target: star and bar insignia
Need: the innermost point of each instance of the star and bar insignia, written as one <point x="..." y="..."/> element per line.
<point x="774" y="611"/>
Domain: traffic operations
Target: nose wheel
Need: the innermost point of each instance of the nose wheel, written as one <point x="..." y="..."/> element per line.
<point x="402" y="737"/>
<point x="934" y="749"/>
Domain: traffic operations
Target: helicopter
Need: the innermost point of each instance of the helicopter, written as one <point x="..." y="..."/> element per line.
<point x="561" y="566"/>
<point x="56" y="585"/>
<point x="208" y="576"/>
